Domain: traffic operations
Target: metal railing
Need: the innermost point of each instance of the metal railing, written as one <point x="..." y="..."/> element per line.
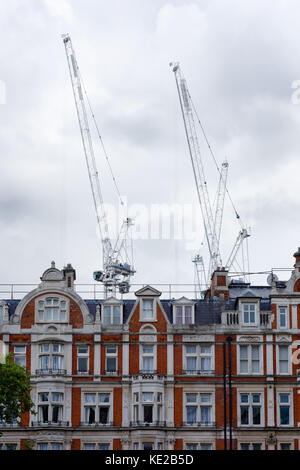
<point x="50" y="423"/>
<point x="197" y="372"/>
<point x="96" y="291"/>
<point x="50" y="372"/>
<point x="200" y="424"/>
<point x="146" y="424"/>
<point x="97" y="424"/>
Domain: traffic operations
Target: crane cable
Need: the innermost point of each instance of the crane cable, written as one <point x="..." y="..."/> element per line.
<point x="101" y="141"/>
<point x="214" y="159"/>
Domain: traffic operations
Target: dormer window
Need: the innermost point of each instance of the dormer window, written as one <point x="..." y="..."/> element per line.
<point x="52" y="310"/>
<point x="148" y="311"/>
<point x="112" y="312"/>
<point x="249" y="313"/>
<point x="183" y="312"/>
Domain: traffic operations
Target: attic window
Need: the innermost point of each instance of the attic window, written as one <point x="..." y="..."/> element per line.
<point x="183" y="314"/>
<point x="52" y="310"/>
<point x="148" y="310"/>
<point x="111" y="315"/>
<point x="249" y="313"/>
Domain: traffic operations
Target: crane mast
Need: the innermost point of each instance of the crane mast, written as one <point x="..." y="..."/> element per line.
<point x="212" y="223"/>
<point x="117" y="266"/>
<point x="198" y="170"/>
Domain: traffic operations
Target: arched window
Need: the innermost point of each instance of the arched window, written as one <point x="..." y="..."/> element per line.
<point x="52" y="309"/>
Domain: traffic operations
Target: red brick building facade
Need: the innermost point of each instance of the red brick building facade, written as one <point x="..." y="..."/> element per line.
<point x="148" y="373"/>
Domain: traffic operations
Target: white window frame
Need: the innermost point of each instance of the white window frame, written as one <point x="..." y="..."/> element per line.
<point x="256" y="313"/>
<point x="183" y="314"/>
<point x="51" y="402"/>
<point x="289" y="354"/>
<point x="251" y="404"/>
<point x="20" y="355"/>
<point x="199" y="355"/>
<point x="251" y="443"/>
<point x="97" y="404"/>
<point x="287" y="317"/>
<point x="97" y="444"/>
<point x="249" y="356"/>
<point x="154" y="303"/>
<point x="291" y="407"/>
<point x="145" y="355"/>
<point x="198" y="404"/>
<point x="83" y="355"/>
<point x="157" y="403"/>
<point x="110" y="304"/>
<point x="111" y="355"/>
<point x="60" y="299"/>
<point x="51" y="353"/>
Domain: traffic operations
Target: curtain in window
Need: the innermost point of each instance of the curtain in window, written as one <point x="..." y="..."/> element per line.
<point x="90" y="412"/>
<point x="188" y="314"/>
<point x="43" y="413"/>
<point x="44" y="362"/>
<point x="191" y="414"/>
<point x="191" y="364"/>
<point x="255" y="359"/>
<point x="56" y="362"/>
<point x="178" y="315"/>
<point x="56" y="414"/>
<point x="205" y="364"/>
<point x="148" y="364"/>
<point x="205" y="414"/>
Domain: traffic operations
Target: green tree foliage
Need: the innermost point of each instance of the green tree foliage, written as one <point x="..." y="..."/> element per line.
<point x="14" y="391"/>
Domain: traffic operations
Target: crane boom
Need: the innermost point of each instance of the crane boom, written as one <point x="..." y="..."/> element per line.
<point x="243" y="234"/>
<point x="116" y="265"/>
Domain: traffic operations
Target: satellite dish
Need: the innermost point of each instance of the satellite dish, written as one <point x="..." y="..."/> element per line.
<point x="271" y="278"/>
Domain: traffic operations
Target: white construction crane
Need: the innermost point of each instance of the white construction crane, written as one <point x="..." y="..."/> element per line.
<point x="212" y="223"/>
<point x="117" y="265"/>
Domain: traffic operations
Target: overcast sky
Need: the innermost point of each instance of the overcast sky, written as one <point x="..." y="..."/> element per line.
<point x="240" y="59"/>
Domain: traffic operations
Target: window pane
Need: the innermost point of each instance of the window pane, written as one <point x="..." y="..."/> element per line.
<point x="116" y="315"/>
<point x="82" y="364"/>
<point x="106" y="316"/>
<point x="256" y="414"/>
<point x="244" y="415"/>
<point x="244" y="398"/>
<point x="284" y="415"/>
<point x="57" y="397"/>
<point x="205" y="364"/>
<point x="147" y="349"/>
<point x="188" y="314"/>
<point x="244" y="352"/>
<point x="191" y="414"/>
<point x="103" y="414"/>
<point x="83" y="349"/>
<point x="55" y="446"/>
<point x="89" y="446"/>
<point x="205" y="414"/>
<point x="148" y="396"/>
<point x="190" y="349"/>
<point x="148" y="364"/>
<point x="256" y="446"/>
<point x="90" y="397"/>
<point x="148" y="413"/>
<point x="191" y="397"/>
<point x="111" y="364"/>
<point x="178" y="315"/>
<point x="104" y="397"/>
<point x="205" y="397"/>
<point x="191" y="363"/>
<point x="148" y="308"/>
<point x="111" y="349"/>
<point x="283" y="352"/>
<point x="44" y="396"/>
<point x="284" y="398"/>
